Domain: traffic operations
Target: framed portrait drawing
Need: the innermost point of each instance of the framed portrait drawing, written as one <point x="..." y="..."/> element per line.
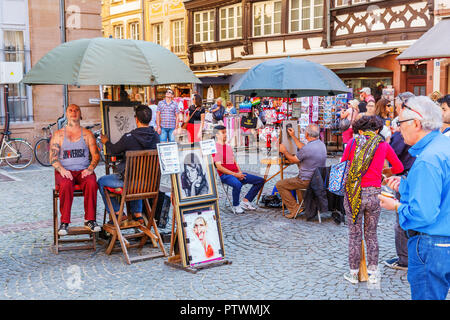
<point x="196" y="180"/>
<point x="201" y="233"/>
<point x="117" y="118"/>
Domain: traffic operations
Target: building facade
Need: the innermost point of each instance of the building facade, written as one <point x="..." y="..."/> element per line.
<point x="30" y="29"/>
<point x="358" y="39"/>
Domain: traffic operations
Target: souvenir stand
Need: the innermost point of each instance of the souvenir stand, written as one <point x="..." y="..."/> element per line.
<point x="196" y="241"/>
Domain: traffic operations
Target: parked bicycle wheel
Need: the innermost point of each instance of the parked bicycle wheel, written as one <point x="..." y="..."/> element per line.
<point x="42" y="152"/>
<point x="18" y="154"/>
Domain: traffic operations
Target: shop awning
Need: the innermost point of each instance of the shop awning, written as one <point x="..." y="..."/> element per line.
<point x="434" y="44"/>
<point x="342" y="60"/>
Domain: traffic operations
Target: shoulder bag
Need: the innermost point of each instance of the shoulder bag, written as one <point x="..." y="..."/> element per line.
<point x="185" y="123"/>
<point x="338" y="174"/>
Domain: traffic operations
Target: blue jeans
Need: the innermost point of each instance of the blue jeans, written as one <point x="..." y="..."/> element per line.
<point x="237" y="184"/>
<point x="167" y="133"/>
<point x="429" y="267"/>
<point x="113" y="181"/>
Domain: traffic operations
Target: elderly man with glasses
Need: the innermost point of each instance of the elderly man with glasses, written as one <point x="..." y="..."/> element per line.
<point x="424" y="206"/>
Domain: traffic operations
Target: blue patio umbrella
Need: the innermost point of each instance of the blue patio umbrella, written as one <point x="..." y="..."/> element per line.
<point x="289" y="77"/>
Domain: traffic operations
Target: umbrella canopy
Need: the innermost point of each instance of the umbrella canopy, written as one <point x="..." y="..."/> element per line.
<point x="105" y="61"/>
<point x="289" y="76"/>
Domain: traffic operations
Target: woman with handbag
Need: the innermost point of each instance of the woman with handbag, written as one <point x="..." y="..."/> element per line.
<point x="196" y="120"/>
<point x="367" y="153"/>
<point x="347" y="118"/>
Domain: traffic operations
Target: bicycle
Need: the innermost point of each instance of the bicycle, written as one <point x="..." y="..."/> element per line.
<point x="16" y="152"/>
<point x="42" y="147"/>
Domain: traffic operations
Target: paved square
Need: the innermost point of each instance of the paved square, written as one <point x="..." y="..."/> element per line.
<point x="272" y="257"/>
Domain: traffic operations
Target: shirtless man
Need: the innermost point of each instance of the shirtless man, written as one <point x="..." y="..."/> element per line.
<point x="70" y="148"/>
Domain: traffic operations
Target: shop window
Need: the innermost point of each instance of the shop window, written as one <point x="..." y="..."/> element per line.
<point x="204" y="26"/>
<point x="266" y="18"/>
<point x="231" y="22"/>
<point x="178" y="36"/>
<point x="306" y="15"/>
<point x="18" y="100"/>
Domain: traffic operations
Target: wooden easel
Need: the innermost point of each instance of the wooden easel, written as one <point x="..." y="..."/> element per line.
<point x="363" y="276"/>
<point x="176" y="259"/>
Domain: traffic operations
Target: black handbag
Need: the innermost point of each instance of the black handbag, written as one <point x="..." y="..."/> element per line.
<point x="249" y="123"/>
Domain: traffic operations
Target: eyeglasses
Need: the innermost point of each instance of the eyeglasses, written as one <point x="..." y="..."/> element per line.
<point x="399" y="122"/>
<point x="405" y="106"/>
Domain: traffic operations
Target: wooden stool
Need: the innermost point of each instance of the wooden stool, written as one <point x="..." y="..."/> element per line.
<point x="72" y="230"/>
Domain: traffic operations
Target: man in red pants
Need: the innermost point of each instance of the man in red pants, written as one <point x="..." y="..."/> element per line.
<point x="70" y="148"/>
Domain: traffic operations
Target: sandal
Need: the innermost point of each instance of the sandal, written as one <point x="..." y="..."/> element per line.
<point x="124" y="218"/>
<point x="139" y="218"/>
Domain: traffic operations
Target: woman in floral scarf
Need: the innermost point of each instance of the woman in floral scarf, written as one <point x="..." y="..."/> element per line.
<point x="367" y="153"/>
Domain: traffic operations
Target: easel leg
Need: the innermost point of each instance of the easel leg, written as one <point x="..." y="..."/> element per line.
<point x="363" y="275"/>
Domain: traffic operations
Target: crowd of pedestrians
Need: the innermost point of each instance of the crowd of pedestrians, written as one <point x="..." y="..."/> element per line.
<point x="404" y="148"/>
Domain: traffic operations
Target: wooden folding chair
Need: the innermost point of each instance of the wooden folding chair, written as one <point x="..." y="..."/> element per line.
<point x="141" y="182"/>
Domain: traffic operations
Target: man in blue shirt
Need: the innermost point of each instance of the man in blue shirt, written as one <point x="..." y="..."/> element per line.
<point x="424" y="206"/>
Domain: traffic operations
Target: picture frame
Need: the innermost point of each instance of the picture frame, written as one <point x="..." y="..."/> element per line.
<point x="196" y="181"/>
<point x="117" y="119"/>
<point x="201" y="233"/>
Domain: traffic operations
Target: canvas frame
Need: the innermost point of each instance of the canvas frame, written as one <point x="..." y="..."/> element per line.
<point x="187" y="239"/>
<point x="106" y="107"/>
<point x="208" y="169"/>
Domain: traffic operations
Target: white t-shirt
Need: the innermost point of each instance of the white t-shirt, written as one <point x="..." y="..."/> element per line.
<point x="153" y="121"/>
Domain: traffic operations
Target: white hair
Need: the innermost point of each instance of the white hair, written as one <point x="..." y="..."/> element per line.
<point x="219" y="98"/>
<point x="313" y="131"/>
<point x="404" y="96"/>
<point x="431" y="113"/>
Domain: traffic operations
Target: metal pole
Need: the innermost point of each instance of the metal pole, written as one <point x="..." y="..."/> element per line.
<point x="62" y="17"/>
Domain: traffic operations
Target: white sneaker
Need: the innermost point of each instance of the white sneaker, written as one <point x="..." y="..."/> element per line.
<point x="246" y="205"/>
<point x="373" y="277"/>
<point x="238" y="209"/>
<point x="352" y="277"/>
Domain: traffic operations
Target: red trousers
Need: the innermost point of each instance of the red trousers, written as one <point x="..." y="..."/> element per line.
<point x="66" y="188"/>
<point x="193" y="130"/>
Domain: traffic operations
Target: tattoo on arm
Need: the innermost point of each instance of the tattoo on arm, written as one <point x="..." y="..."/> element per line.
<point x="54" y="155"/>
<point x="94" y="152"/>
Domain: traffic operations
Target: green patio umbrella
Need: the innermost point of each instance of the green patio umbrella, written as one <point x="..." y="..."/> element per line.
<point x="106" y="61"/>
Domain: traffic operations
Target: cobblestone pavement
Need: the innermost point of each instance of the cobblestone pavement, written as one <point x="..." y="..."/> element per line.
<point x="272" y="257"/>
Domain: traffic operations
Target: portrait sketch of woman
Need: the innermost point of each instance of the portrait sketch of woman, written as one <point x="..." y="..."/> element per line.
<point x="194" y="180"/>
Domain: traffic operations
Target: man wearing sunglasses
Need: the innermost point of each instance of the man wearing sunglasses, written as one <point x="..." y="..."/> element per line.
<point x="445" y="105"/>
<point x="424" y="206"/>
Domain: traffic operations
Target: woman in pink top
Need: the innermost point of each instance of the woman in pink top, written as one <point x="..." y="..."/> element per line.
<point x="367" y="153"/>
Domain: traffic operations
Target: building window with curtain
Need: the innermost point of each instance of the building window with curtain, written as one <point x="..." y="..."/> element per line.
<point x="306" y="15"/>
<point x="178" y="36"/>
<point x="157" y="33"/>
<point x="266" y="18"/>
<point x="134" y="30"/>
<point x="18" y="101"/>
<point x="204" y="26"/>
<point x="231" y="22"/>
<point x="118" y="32"/>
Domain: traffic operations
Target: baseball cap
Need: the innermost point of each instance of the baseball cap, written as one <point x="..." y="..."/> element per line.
<point x="366" y="90"/>
<point x="170" y="90"/>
